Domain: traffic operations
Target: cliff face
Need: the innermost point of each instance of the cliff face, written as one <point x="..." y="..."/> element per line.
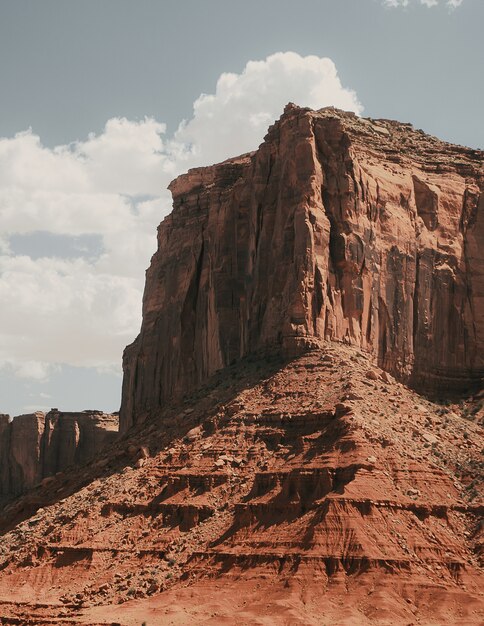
<point x="283" y="490"/>
<point x="337" y="228"/>
<point x="38" y="445"/>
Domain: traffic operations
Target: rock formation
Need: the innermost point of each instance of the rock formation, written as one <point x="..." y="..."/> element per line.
<point x="309" y="492"/>
<point x="36" y="446"/>
<point x="338" y="228"/>
<point x="275" y="467"/>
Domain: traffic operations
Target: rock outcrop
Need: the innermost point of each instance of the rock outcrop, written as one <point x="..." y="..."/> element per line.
<point x="338" y="228"/>
<point x="38" y="445"/>
<point x="316" y="491"/>
<point x="302" y="483"/>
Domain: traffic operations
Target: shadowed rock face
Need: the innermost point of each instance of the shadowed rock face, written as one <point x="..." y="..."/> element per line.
<point x="337" y="228"/>
<point x="36" y="446"/>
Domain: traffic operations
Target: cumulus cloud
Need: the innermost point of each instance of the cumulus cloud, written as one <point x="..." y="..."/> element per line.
<point x="235" y="118"/>
<point x="32" y="370"/>
<point x="82" y="310"/>
<point x="452" y="4"/>
<point x="64" y="311"/>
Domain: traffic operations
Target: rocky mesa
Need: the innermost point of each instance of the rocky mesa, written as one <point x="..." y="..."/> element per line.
<point x="36" y="446"/>
<point x="302" y="411"/>
<point x="337" y="228"/>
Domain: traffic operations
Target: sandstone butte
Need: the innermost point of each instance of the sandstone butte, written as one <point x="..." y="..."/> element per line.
<point x="301" y="423"/>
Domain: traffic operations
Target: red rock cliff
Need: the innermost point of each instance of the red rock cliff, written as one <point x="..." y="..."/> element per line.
<point x="337" y="228"/>
<point x="38" y="445"/>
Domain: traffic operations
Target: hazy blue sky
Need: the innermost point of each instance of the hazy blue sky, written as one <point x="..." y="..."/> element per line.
<point x="77" y="220"/>
<point x="67" y="65"/>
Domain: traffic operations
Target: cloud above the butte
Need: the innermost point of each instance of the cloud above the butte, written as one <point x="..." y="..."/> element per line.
<point x="452" y="4"/>
<point x="78" y="221"/>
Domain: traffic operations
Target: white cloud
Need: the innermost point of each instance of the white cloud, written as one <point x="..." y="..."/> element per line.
<point x="4" y="244"/>
<point x="33" y="370"/>
<point x="235" y="118"/>
<point x="452" y="4"/>
<point x="396" y="3"/>
<point x="64" y="311"/>
<point x="127" y="158"/>
<point x="83" y="311"/>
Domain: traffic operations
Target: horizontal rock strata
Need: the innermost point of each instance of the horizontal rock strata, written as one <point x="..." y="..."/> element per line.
<point x="318" y="489"/>
<point x="274" y="468"/>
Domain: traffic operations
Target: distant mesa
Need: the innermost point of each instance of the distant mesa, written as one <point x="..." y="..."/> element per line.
<point x="38" y="445"/>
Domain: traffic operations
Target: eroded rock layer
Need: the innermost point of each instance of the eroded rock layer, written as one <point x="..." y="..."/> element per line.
<point x="317" y="491"/>
<point x="271" y="469"/>
<point x="337" y="228"/>
<point x="36" y="446"/>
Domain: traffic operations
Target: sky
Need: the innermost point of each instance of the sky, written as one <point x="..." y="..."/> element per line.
<point x="103" y="103"/>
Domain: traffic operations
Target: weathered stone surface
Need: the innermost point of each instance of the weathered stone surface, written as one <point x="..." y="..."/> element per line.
<point x="283" y="490"/>
<point x="38" y="445"/>
<point x="337" y="228"/>
<point x="288" y="506"/>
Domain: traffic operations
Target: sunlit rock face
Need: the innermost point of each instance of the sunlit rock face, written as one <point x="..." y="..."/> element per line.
<point x="36" y="446"/>
<point x="302" y="481"/>
<point x="337" y="228"/>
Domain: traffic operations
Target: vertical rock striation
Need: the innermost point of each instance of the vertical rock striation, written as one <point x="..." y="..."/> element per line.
<point x="337" y="228"/>
<point x="38" y="445"/>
